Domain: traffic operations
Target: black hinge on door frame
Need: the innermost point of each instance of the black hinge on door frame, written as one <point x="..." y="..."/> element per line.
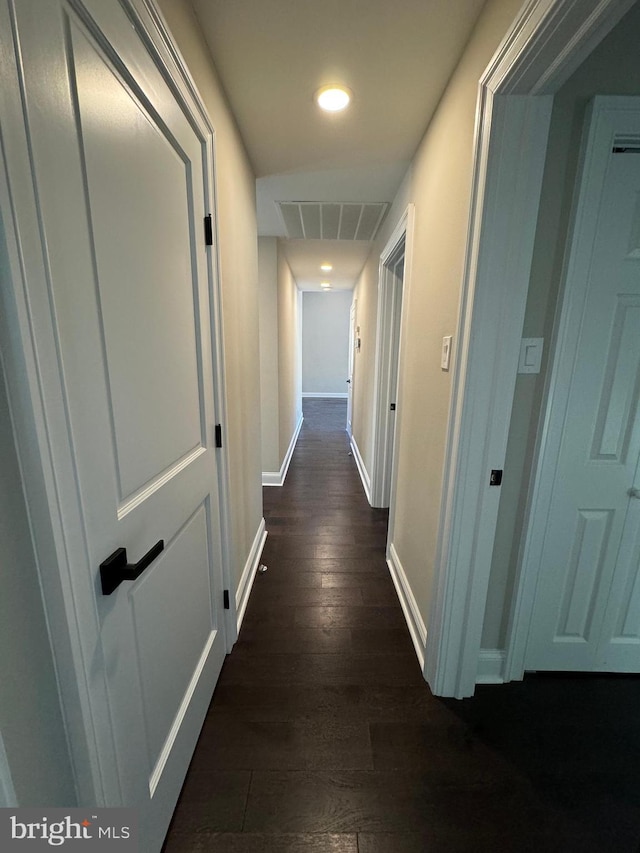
<point x="208" y="230"/>
<point x="218" y="435"/>
<point x="225" y="599"/>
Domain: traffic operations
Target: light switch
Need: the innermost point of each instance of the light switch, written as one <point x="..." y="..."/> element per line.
<point x="530" y="355"/>
<point x="446" y="352"/>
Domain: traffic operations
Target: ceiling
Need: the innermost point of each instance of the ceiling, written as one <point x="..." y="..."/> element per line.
<point x="272" y="55"/>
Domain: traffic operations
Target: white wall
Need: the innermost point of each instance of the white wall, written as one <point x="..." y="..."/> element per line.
<point x="289" y="367"/>
<point x="280" y="357"/>
<point x="269" y="380"/>
<point x="325" y="342"/>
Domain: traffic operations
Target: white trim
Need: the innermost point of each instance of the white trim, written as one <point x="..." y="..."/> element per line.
<point x="542" y="48"/>
<point x="351" y="365"/>
<point x="8" y="799"/>
<point x="604" y="119"/>
<point x="382" y="475"/>
<point x="410" y="608"/>
<point x="248" y="575"/>
<point x="332" y="396"/>
<point x="491" y="666"/>
<point x="158" y="770"/>
<point x="362" y="468"/>
<point x="277" y="478"/>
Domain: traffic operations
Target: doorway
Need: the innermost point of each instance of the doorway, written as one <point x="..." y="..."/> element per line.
<point x="391" y="295"/>
<point x="583" y="542"/>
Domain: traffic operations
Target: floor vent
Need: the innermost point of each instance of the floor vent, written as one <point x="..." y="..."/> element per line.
<point x="317" y="220"/>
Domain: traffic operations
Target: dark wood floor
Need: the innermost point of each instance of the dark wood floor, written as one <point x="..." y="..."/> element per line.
<point x="323" y="737"/>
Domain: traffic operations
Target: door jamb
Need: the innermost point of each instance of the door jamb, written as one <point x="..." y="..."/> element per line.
<point x="382" y="383"/>
<point x="546" y="43"/>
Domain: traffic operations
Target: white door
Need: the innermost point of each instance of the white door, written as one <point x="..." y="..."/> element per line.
<point x="586" y="614"/>
<point x="352" y="343"/>
<point x="120" y="185"/>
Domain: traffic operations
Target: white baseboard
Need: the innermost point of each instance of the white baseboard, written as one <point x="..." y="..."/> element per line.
<point x="491" y="666"/>
<point x="364" y="474"/>
<point x="249" y="573"/>
<point x="277" y="478"/>
<point x="415" y="623"/>
<point x="340" y="396"/>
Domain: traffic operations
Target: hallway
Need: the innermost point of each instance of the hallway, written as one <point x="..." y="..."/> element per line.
<point x="322" y="736"/>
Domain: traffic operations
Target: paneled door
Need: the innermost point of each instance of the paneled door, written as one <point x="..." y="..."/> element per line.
<point x="586" y="614"/>
<point x="118" y="171"/>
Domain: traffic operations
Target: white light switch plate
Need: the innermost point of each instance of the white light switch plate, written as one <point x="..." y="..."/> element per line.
<point x="530" y="355"/>
<point x="446" y="352"/>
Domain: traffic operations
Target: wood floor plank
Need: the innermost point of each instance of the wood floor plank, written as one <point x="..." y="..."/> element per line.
<point x="272" y="639"/>
<point x="349" y="617"/>
<point x="374" y="801"/>
<point x="292" y="745"/>
<point x="250" y="668"/>
<point x="212" y="801"/>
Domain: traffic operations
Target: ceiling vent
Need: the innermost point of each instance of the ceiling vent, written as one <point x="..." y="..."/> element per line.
<point x="317" y="220"/>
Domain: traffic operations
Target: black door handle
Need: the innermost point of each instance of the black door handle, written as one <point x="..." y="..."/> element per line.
<point x="115" y="568"/>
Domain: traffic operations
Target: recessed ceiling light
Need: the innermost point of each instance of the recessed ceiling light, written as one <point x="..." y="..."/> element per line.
<point x="333" y="98"/>
<point x="326" y="267"/>
<point x="326" y="285"/>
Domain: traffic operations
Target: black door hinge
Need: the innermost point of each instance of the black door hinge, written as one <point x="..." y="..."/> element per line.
<point x="225" y="598"/>
<point x="496" y="477"/>
<point x="218" y="435"/>
<point x="208" y="230"/>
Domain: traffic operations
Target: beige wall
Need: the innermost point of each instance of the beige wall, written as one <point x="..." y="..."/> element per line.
<point x="280" y="368"/>
<point x="439" y="184"/>
<point x="612" y="69"/>
<point x="269" y="395"/>
<point x="239" y="275"/>
<point x="289" y="367"/>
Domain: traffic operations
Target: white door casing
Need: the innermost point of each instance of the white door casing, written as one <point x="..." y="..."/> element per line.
<point x="107" y="331"/>
<point x="352" y="343"/>
<point x="394" y="277"/>
<point x="579" y="590"/>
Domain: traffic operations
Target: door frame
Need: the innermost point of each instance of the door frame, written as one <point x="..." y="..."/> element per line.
<point x="603" y="120"/>
<point x="386" y="361"/>
<point x="546" y="43"/>
<point x="350" y="366"/>
<point x="35" y="384"/>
